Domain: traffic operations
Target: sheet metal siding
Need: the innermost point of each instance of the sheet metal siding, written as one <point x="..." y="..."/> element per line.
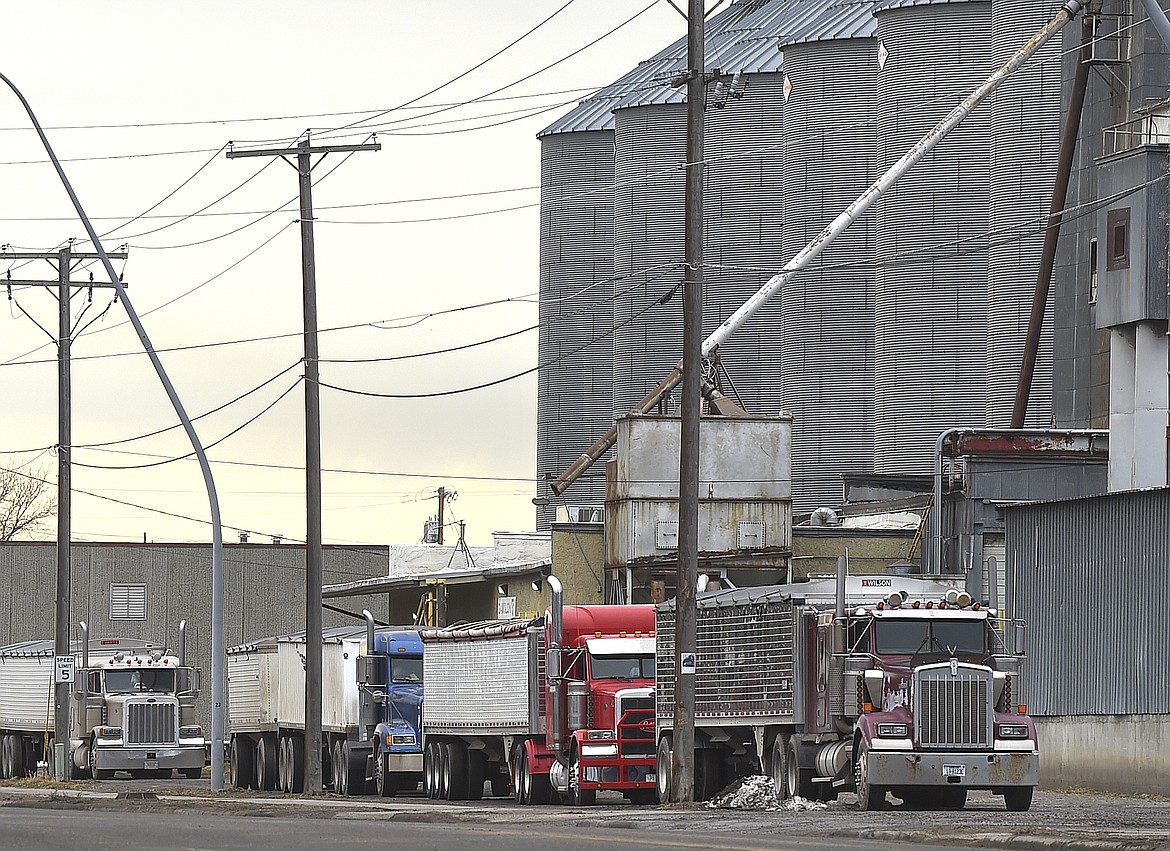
<point x="931" y="284"/>
<point x="744" y="664"/>
<point x="478" y="685"/>
<point x="575" y="380"/>
<point x="244" y="703"/>
<point x="827" y="324"/>
<point x="650" y="147"/>
<point x="1025" y="139"/>
<point x="1089" y="576"/>
<point x="25" y="692"/>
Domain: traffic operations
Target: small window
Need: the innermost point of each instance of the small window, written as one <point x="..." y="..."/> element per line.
<point x="127" y="602"/>
<point x="1118" y="227"/>
<point x="1093" y="270"/>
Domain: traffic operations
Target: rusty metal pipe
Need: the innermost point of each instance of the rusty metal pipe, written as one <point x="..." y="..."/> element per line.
<point x="1068" y="145"/>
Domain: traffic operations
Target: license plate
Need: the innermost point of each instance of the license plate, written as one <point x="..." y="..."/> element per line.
<point x="651" y="778"/>
<point x="150" y="763"/>
<point x="954" y="771"/>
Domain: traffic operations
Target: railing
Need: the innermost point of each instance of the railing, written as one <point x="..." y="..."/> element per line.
<point x="1146" y="130"/>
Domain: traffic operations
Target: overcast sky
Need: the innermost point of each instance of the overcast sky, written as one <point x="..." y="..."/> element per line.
<point x="429" y="244"/>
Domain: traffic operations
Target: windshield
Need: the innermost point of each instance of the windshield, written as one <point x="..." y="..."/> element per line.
<point x="140" y="680"/>
<point x="622" y="667"/>
<point x="905" y="638"/>
<point x="406" y="669"/>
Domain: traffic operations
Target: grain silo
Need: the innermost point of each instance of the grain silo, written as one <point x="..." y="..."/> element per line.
<point x="575" y="381"/>
<point x="827" y="322"/>
<point x="930" y="307"/>
<point x="1025" y="139"/>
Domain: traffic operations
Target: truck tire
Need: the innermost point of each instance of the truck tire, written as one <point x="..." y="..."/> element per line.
<point x="296" y="751"/>
<point x="578" y="797"/>
<point x="355" y="769"/>
<point x="778" y="765"/>
<point x="476" y="774"/>
<point x="870" y="796"/>
<point x="431" y="771"/>
<point x="6" y="758"/>
<point x="522" y="783"/>
<point x="283" y="760"/>
<point x="243" y="763"/>
<point x="385" y="781"/>
<point x="799" y="780"/>
<point x="266" y="777"/>
<point x="710" y="773"/>
<point x="662" y="768"/>
<point x="95" y="772"/>
<point x="1018" y="799"/>
<point x="456" y="785"/>
<point x="340" y="778"/>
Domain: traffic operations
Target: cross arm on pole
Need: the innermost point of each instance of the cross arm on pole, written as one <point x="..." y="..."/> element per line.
<point x="56" y="255"/>
<point x="307" y="149"/>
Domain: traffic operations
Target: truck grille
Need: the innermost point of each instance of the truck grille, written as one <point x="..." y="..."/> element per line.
<point x="635" y="725"/>
<point x="150" y="724"/>
<point x="952" y="706"/>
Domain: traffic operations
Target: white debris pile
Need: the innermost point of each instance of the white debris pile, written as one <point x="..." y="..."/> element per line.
<point x="758" y="793"/>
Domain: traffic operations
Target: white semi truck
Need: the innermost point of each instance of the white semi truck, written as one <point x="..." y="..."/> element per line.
<point x="132" y="710"/>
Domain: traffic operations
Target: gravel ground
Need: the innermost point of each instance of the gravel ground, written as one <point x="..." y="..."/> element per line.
<point x="1072" y="820"/>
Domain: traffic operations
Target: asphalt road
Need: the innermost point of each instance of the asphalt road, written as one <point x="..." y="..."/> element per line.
<point x="184" y="814"/>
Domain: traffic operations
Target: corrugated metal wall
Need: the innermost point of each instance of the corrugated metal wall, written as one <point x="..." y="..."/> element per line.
<point x="931" y="286"/>
<point x="827" y="323"/>
<point x="264" y="592"/>
<point x="574" y="394"/>
<point x="1090" y="577"/>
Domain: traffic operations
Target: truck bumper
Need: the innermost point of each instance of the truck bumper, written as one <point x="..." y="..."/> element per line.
<point x="412" y="762"/>
<point x="970" y="770"/>
<point x="621" y="774"/>
<point x="133" y="759"/>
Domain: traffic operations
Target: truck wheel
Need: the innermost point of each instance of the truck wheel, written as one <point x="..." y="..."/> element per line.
<point x="283" y="772"/>
<point x="6" y="758"/>
<point x="455" y="773"/>
<point x="266" y="763"/>
<point x="355" y="769"/>
<point x="476" y="774"/>
<point x="430" y="771"/>
<point x="662" y="769"/>
<point x="779" y="766"/>
<point x="243" y="763"/>
<point x="383" y="779"/>
<point x="95" y="772"/>
<point x="799" y="779"/>
<point x="296" y="752"/>
<point x="522" y="785"/>
<point x="578" y="797"/>
<point x="1018" y="799"/>
<point x="870" y="796"/>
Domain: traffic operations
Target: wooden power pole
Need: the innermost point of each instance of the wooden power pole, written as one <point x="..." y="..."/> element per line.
<point x="66" y="260"/>
<point x="314" y="557"/>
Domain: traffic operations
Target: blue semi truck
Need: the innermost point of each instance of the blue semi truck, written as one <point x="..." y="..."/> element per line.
<point x="371" y="699"/>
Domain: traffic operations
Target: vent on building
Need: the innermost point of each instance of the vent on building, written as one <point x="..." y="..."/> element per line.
<point x="127" y="602"/>
<point x="749" y="535"/>
<point x="666" y="535"/>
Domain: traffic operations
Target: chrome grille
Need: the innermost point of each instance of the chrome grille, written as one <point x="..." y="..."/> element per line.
<point x="150" y="724"/>
<point x="952" y="706"/>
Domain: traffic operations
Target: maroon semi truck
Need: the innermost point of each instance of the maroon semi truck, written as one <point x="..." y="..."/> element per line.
<point x="869" y="684"/>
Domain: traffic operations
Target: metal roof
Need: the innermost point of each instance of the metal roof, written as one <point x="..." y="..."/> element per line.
<point x="381" y="584"/>
<point x="746" y="36"/>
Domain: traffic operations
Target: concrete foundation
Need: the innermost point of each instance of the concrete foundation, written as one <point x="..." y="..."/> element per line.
<point x="1111" y="753"/>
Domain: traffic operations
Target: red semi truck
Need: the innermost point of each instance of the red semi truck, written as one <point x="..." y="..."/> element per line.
<point x="561" y="705"/>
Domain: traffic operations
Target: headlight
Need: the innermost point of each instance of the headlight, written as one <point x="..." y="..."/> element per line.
<point x="1013" y="731"/>
<point x="593" y="735"/>
<point x="892" y="731"/>
<point x="401" y="739"/>
<point x="109" y="732"/>
<point x="192" y="731"/>
<point x="599" y="750"/>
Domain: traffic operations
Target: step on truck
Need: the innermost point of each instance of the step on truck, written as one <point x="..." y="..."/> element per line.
<point x="132" y="710"/>
<point x="558" y="706"/>
<point x="868" y="684"/>
<point x="370" y="705"/>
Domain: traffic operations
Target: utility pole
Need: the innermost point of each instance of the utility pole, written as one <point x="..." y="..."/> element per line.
<point x="686" y="612"/>
<point x="313" y="550"/>
<point x="65" y="259"/>
<point x="442" y="499"/>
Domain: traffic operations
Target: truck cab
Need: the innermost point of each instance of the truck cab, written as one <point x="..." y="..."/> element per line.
<point x="934" y="710"/>
<point x="397" y="756"/>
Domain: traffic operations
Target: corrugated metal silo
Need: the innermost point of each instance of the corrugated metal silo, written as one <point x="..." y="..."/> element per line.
<point x="930" y="366"/>
<point x="1025" y="138"/>
<point x="827" y="322"/>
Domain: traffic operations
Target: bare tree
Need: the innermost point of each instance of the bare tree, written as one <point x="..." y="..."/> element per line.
<point x="27" y="502"/>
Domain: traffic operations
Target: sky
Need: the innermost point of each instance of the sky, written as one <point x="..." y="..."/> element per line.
<point x="426" y="252"/>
